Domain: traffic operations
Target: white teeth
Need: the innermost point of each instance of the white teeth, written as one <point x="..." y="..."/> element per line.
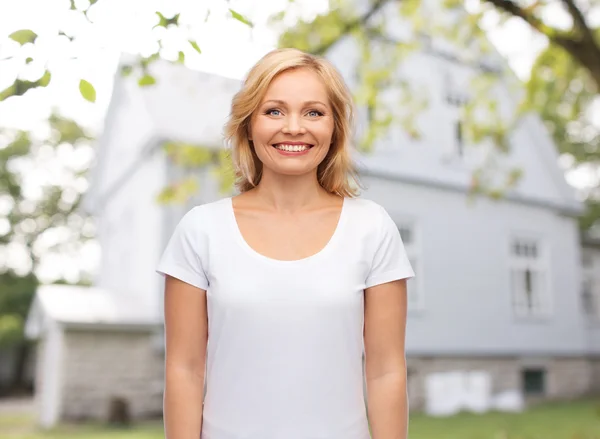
<point x="292" y="148"/>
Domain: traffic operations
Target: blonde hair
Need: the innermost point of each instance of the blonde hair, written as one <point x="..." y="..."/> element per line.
<point x="336" y="173"/>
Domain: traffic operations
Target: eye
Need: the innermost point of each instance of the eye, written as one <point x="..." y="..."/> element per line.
<point x="315" y="113"/>
<point x="273" y="112"/>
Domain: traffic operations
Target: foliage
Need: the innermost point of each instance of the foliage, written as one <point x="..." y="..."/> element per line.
<point x="16" y="294"/>
<point x="31" y="221"/>
<point x="190" y="158"/>
<point x="565" y="79"/>
<point x="563" y="93"/>
<point x="26" y="37"/>
<point x="564" y="83"/>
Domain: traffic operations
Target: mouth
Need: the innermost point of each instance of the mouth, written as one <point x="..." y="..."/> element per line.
<point x="292" y="147"/>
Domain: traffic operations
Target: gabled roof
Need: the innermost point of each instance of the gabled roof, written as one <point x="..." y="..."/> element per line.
<point x="187" y="105"/>
<point x="80" y="306"/>
<point x="184" y="105"/>
<point x="191" y="106"/>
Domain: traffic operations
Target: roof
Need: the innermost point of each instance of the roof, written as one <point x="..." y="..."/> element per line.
<point x="81" y="305"/>
<point x="202" y="103"/>
<point x="184" y="105"/>
<point x="192" y="106"/>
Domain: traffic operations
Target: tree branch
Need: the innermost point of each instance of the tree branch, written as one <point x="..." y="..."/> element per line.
<point x="514" y="9"/>
<point x="583" y="48"/>
<point x="351" y="25"/>
<point x="579" y="21"/>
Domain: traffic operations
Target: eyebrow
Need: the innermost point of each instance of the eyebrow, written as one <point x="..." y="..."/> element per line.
<point x="280" y="102"/>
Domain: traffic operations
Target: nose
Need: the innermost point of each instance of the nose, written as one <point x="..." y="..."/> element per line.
<point x="293" y="126"/>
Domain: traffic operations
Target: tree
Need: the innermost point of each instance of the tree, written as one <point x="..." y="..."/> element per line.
<point x="563" y="88"/>
<point x="573" y="51"/>
<point x="26" y="37"/>
<point x="578" y="44"/>
<point x="42" y="219"/>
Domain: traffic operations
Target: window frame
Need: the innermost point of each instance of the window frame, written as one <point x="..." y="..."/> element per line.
<point x="590" y="273"/>
<point x="539" y="264"/>
<point x="414" y="253"/>
<point x="456" y="95"/>
<point x="532" y="374"/>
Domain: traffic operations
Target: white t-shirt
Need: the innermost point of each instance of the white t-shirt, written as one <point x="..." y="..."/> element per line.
<point x="284" y="357"/>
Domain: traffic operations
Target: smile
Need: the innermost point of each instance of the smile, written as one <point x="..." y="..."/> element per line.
<point x="292" y="147"/>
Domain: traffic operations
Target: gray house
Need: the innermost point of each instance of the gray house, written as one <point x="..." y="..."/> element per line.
<point x="498" y="283"/>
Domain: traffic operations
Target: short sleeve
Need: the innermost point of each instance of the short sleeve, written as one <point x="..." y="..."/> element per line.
<point x="390" y="261"/>
<point x="182" y="257"/>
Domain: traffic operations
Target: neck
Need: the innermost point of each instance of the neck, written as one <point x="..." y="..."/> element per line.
<point x="290" y="193"/>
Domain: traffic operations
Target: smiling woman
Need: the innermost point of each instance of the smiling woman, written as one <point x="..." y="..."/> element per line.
<point x="272" y="295"/>
<point x="292" y="125"/>
<point x="300" y="99"/>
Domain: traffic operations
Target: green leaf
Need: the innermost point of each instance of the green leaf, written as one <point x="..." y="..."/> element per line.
<point x="146" y="80"/>
<point x="195" y="46"/>
<point x="126" y="70"/>
<point x="45" y="79"/>
<point x="166" y="22"/>
<point x="28" y="60"/>
<point x="241" y="18"/>
<point x="146" y="61"/>
<point x="20" y="87"/>
<point x="181" y="57"/>
<point x="23" y="36"/>
<point x="162" y="21"/>
<point x="87" y="90"/>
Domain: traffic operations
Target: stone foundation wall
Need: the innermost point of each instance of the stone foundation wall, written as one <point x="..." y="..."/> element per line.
<point x="102" y="365"/>
<point x="566" y="378"/>
<point x="595" y="367"/>
<point x="570" y="378"/>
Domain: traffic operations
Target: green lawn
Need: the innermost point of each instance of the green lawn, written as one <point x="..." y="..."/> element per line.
<point x="574" y="420"/>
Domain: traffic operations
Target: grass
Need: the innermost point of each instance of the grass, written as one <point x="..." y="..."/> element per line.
<point x="22" y="427"/>
<point x="572" y="420"/>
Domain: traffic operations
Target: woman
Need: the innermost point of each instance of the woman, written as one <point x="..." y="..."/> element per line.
<point x="267" y="293"/>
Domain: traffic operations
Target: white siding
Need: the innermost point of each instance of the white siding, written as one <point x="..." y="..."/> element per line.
<point x="467" y="278"/>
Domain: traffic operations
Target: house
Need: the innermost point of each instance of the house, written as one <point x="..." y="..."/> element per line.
<point x="498" y="282"/>
<point x="95" y="348"/>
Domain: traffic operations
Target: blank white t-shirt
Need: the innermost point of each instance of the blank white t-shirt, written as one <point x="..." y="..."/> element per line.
<point x="284" y="357"/>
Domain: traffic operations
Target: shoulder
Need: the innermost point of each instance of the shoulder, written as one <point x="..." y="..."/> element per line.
<point x="369" y="219"/>
<point x="367" y="211"/>
<point x="204" y="217"/>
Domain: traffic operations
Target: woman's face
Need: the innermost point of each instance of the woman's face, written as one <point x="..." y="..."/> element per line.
<point x="293" y="126"/>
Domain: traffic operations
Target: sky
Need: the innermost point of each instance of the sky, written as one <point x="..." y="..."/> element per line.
<point x="228" y="47"/>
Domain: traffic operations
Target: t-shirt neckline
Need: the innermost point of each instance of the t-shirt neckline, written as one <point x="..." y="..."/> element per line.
<point x="328" y="246"/>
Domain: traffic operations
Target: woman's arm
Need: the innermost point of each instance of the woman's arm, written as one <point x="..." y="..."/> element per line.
<point x="186" y="331"/>
<point x="385" y="367"/>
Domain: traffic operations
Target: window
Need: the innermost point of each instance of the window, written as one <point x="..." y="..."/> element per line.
<point x="409" y="238"/>
<point x="529" y="281"/>
<point x="590" y="288"/>
<point x="456" y="96"/>
<point x="533" y="381"/>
